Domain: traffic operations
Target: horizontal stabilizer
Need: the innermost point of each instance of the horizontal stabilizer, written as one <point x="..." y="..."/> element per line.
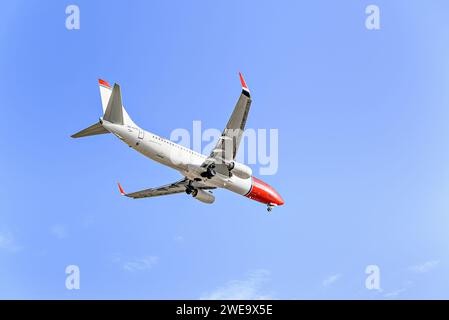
<point x="91" y="131"/>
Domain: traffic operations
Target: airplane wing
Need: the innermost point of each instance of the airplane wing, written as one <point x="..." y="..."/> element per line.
<point x="229" y="141"/>
<point x="172" y="188"/>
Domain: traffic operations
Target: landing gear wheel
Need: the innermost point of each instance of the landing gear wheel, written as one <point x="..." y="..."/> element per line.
<point x="210" y="173"/>
<point x="270" y="207"/>
<point x="189" y="188"/>
<point x="210" y="170"/>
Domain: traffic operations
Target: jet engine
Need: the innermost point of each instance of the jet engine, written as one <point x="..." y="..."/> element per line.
<point x="240" y="170"/>
<point x="203" y="196"/>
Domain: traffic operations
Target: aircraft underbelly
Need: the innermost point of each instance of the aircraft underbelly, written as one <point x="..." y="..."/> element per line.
<point x="187" y="163"/>
<point x="234" y="183"/>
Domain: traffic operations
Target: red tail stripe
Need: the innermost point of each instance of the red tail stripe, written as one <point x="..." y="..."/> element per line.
<point x="104" y="83"/>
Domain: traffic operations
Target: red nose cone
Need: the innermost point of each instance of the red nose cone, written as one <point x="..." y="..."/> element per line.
<point x="279" y="200"/>
<point x="263" y="192"/>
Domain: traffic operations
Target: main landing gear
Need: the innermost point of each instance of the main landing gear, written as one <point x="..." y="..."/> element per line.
<point x="189" y="188"/>
<point x="210" y="172"/>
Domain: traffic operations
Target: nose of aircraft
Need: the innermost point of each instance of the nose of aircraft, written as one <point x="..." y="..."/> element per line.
<point x="279" y="200"/>
<point x="275" y="197"/>
<point x="263" y="192"/>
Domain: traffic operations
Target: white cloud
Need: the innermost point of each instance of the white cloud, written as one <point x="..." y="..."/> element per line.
<point x="7" y="242"/>
<point x="248" y="289"/>
<point x="139" y="264"/>
<point x="331" y="280"/>
<point x="424" y="267"/>
<point x="59" y="231"/>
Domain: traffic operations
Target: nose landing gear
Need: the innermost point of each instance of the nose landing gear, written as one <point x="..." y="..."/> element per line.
<point x="270" y="207"/>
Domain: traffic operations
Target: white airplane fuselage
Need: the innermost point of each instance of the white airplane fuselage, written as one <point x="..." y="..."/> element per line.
<point x="175" y="156"/>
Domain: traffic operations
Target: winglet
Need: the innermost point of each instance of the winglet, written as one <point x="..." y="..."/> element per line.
<point x="244" y="86"/>
<point x="242" y="80"/>
<point x="121" y="189"/>
<point x="104" y="83"/>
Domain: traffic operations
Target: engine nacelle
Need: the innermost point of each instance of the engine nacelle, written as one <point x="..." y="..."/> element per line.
<point x="203" y="196"/>
<point x="240" y="170"/>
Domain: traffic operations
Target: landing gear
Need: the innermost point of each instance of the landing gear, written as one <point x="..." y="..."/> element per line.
<point x="210" y="172"/>
<point x="270" y="207"/>
<point x="189" y="188"/>
<point x="194" y="192"/>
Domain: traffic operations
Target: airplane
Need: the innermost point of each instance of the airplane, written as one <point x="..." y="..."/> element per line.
<point x="201" y="173"/>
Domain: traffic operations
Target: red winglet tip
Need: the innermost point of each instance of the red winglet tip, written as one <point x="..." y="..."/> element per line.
<point x="104" y="83"/>
<point x="121" y="189"/>
<point x="242" y="80"/>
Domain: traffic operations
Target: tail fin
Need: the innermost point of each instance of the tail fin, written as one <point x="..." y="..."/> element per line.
<point x="105" y="93"/>
<point x="111" y="97"/>
<point x="113" y="110"/>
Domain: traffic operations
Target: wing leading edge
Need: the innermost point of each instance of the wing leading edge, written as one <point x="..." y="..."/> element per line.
<point x="229" y="141"/>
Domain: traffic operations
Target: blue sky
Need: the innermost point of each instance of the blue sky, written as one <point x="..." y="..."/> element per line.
<point x="363" y="149"/>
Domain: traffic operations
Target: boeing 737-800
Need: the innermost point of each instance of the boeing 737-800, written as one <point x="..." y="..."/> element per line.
<point x="200" y="173"/>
